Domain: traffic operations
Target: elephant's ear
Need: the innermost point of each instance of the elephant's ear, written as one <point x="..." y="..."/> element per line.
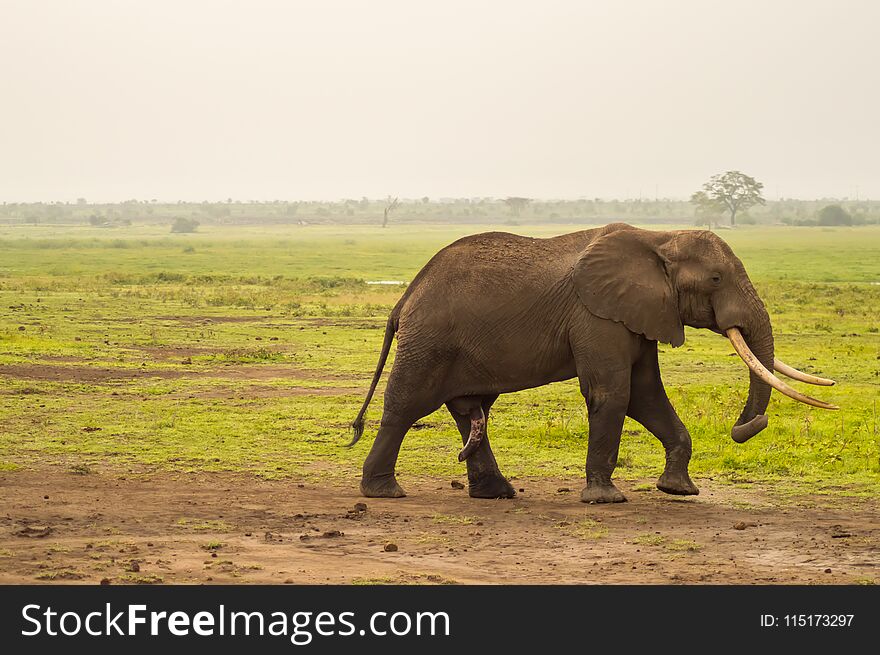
<point x="622" y="276"/>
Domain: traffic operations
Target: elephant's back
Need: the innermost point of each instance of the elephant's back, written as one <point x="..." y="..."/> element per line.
<point x="488" y="272"/>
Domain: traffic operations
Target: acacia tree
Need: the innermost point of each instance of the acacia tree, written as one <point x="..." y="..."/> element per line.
<point x="732" y="191"/>
<point x="390" y="206"/>
<point x="516" y="205"/>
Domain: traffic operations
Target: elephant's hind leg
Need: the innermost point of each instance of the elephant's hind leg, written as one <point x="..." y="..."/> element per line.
<point x="378" y="480"/>
<point x="409" y="396"/>
<point x="484" y="477"/>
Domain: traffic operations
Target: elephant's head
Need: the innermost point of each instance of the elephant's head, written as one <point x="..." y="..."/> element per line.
<point x="655" y="283"/>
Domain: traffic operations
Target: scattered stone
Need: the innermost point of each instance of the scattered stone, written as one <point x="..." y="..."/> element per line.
<point x="838" y="532"/>
<point x="133" y="566"/>
<point x="187" y="360"/>
<point x="390" y="547"/>
<point x="521" y="490"/>
<point x="742" y="525"/>
<point x="105" y="581"/>
<point x="90" y="428"/>
<point x="455" y="484"/>
<point x="827" y="570"/>
<point x="360" y="507"/>
<point x="563" y="490"/>
<point x="329" y="534"/>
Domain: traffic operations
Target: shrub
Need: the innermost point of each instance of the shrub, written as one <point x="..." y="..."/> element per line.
<point x="834" y="215"/>
<point x="184" y="225"/>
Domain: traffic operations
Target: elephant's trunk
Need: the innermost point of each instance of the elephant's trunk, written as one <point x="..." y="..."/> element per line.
<point x="752" y="420"/>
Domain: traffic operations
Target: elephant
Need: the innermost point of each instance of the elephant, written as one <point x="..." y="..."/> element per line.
<point x="495" y="313"/>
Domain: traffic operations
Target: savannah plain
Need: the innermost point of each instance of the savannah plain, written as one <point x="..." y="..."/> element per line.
<point x="175" y="409"/>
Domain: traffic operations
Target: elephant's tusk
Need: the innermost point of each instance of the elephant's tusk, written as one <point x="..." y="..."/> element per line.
<point x="743" y="350"/>
<point x="795" y="374"/>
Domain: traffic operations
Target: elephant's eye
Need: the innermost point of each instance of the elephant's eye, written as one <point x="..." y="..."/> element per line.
<point x="716" y="278"/>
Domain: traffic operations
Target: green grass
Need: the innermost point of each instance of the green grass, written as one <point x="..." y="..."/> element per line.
<point x="250" y="349"/>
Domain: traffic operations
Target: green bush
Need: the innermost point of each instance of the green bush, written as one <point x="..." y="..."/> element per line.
<point x="184" y="225"/>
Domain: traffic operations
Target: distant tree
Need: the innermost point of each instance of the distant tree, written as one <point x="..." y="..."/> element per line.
<point x="390" y="206"/>
<point x="184" y="225"/>
<point x="834" y="215"/>
<point x="732" y="190"/>
<point x="426" y="200"/>
<point x="706" y="209"/>
<point x="516" y="204"/>
<point x="81" y="201"/>
<point x="96" y="220"/>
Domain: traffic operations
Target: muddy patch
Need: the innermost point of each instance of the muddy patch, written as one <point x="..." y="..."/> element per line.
<point x="235" y="528"/>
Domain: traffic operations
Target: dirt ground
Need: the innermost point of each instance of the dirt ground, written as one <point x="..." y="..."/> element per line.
<point x="56" y="525"/>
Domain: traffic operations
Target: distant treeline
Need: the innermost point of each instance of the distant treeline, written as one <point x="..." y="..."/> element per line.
<point x="186" y="216"/>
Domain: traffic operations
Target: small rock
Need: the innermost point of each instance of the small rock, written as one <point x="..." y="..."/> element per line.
<point x="34" y="531"/>
<point x="105" y="581"/>
<point x="563" y="490"/>
<point x="360" y="507"/>
<point x="390" y="547"/>
<point x="134" y="567"/>
<point x="329" y="534"/>
<point x="186" y="360"/>
<point x="742" y="525"/>
<point x="455" y="484"/>
<point x="521" y="490"/>
<point x="827" y="570"/>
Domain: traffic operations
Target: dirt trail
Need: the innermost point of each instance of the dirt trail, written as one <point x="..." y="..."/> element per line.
<point x="223" y="527"/>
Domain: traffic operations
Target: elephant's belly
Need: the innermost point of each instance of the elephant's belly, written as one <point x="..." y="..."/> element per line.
<point x="502" y="375"/>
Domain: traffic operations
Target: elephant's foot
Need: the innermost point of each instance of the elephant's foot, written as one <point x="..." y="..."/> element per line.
<point x="677" y="483"/>
<point x="494" y="486"/>
<point x="381" y="486"/>
<point x="604" y="493"/>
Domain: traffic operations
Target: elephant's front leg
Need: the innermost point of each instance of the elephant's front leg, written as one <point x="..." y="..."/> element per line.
<point x="650" y="406"/>
<point x="606" y="404"/>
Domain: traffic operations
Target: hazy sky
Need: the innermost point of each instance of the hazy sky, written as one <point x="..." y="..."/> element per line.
<point x="185" y="99"/>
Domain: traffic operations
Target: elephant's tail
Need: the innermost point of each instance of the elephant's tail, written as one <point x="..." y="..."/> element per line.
<point x="357" y="425"/>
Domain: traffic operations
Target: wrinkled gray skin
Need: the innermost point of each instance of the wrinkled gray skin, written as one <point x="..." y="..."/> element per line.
<point x="495" y="313"/>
